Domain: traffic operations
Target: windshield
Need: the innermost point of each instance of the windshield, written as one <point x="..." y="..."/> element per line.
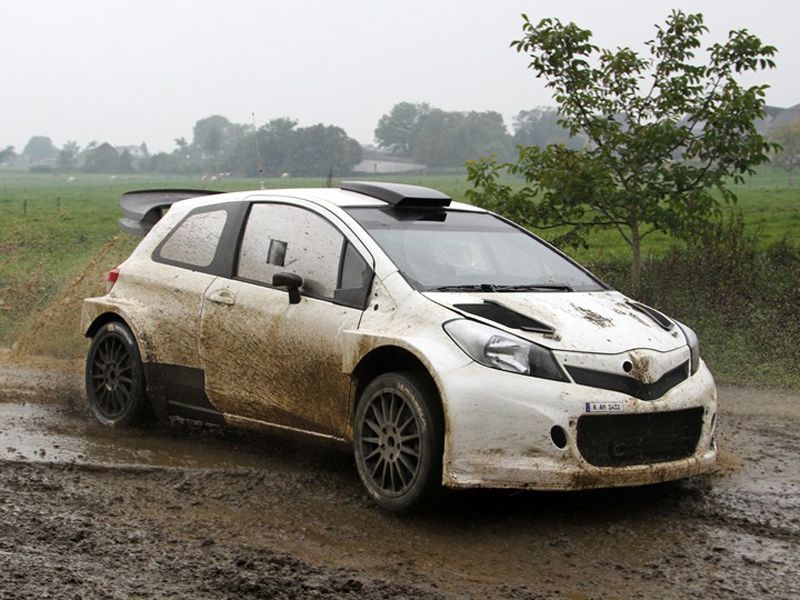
<point x="450" y="250"/>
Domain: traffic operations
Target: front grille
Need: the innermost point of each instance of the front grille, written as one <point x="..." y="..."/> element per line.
<point x="629" y="385"/>
<point x="622" y="440"/>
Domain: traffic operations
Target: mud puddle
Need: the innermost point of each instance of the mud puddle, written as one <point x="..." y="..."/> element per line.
<point x="245" y="515"/>
<point x="41" y="432"/>
<point x="45" y="419"/>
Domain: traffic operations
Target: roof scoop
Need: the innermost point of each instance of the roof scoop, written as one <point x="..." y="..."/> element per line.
<point x="400" y="195"/>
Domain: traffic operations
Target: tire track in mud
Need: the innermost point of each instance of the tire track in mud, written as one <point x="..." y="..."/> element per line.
<point x="295" y="523"/>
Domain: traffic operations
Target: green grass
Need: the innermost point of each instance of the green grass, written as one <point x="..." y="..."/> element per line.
<point x="52" y="228"/>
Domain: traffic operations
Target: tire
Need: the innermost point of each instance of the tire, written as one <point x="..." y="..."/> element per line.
<point x="398" y="436"/>
<point x="115" y="383"/>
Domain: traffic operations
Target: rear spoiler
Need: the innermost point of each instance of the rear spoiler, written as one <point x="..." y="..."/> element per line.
<point x="143" y="208"/>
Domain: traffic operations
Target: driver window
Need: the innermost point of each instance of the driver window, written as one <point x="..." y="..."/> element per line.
<point x="279" y="238"/>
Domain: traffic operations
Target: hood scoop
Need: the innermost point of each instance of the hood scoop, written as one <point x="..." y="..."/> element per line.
<point x="499" y="313"/>
<point x="656" y="316"/>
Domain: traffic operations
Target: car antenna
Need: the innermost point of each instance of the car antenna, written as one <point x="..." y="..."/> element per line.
<point x="258" y="154"/>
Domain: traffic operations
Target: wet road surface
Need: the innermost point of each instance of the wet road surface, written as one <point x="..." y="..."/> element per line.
<point x="189" y="511"/>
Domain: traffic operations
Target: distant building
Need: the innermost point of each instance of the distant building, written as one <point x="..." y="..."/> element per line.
<point x="139" y="151"/>
<point x="377" y="161"/>
<point x="373" y="165"/>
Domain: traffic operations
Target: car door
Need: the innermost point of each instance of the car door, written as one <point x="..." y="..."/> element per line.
<point x="272" y="361"/>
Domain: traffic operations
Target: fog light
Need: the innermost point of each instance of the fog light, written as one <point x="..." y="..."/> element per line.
<point x="559" y="436"/>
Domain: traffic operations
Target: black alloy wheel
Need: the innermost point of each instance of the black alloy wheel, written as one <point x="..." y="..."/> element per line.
<point x="114" y="377"/>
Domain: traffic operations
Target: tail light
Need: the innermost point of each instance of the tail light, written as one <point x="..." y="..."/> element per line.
<point x="111" y="279"/>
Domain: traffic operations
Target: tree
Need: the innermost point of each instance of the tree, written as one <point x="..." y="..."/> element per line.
<point x="788" y="157"/>
<point x="215" y="137"/>
<point x="665" y="132"/>
<point x="440" y="138"/>
<point x="125" y="162"/>
<point x="102" y="159"/>
<point x="318" y="149"/>
<point x="397" y="131"/>
<point x="264" y="152"/>
<point x="7" y="154"/>
<point x="68" y="155"/>
<point x="39" y="148"/>
<point x="281" y="147"/>
<point x="541" y="127"/>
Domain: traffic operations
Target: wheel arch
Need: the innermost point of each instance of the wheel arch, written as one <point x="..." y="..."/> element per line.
<point x="390" y="359"/>
<point x="104" y="319"/>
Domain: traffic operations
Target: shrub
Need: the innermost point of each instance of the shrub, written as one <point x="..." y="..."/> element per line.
<point x="743" y="303"/>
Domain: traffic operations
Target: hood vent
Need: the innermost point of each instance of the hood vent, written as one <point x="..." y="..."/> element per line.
<point x="499" y="313"/>
<point x="656" y="316"/>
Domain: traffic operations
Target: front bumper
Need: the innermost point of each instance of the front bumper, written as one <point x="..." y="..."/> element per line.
<point x="499" y="431"/>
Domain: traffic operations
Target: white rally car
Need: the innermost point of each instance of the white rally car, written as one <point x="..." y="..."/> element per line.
<point x="442" y="343"/>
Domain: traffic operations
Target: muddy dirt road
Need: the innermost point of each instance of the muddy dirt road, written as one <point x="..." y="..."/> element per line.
<point x="192" y="511"/>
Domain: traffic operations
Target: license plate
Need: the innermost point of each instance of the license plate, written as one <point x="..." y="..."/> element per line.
<point x="604" y="407"/>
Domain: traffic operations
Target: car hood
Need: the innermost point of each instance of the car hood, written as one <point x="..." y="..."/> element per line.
<point x="597" y="322"/>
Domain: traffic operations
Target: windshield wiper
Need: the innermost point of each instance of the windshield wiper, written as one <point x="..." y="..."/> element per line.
<point x="491" y="287"/>
<point x="534" y="287"/>
<point x="468" y="287"/>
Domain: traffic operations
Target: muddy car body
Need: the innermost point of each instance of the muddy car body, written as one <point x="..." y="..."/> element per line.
<point x="386" y="318"/>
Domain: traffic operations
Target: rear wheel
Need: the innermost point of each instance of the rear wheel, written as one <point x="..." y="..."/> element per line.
<point x="398" y="440"/>
<point x="115" y="378"/>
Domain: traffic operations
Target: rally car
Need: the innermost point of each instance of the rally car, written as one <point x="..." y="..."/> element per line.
<point x="441" y="343"/>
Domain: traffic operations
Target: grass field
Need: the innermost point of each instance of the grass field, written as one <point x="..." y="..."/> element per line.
<point x="59" y="237"/>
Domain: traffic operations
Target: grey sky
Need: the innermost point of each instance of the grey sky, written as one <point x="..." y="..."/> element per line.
<point x="127" y="72"/>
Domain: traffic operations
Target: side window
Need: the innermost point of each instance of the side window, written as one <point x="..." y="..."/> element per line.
<point x="194" y="241"/>
<point x="355" y="280"/>
<point x="280" y="238"/>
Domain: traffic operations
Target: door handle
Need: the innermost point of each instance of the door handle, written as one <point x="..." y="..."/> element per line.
<point x="222" y="297"/>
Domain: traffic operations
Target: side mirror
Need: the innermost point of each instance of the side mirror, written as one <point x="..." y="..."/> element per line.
<point x="292" y="284"/>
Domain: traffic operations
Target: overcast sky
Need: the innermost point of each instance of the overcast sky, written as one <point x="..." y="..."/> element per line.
<point x="143" y="70"/>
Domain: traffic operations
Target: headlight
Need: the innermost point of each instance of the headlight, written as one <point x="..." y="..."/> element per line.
<point x="694" y="346"/>
<point x="500" y="350"/>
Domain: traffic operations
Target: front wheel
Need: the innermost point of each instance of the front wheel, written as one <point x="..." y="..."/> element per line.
<point x="398" y="440"/>
<point x="115" y="378"/>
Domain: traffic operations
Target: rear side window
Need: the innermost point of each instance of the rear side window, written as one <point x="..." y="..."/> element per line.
<point x="279" y="238"/>
<point x="193" y="243"/>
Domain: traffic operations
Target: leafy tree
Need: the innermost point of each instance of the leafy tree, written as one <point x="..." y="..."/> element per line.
<point x="39" y="148"/>
<point x="440" y="138"/>
<point x="68" y="155"/>
<point x="125" y="162"/>
<point x="541" y="127"/>
<point x="102" y="159"/>
<point x="181" y="144"/>
<point x="264" y="152"/>
<point x="215" y="136"/>
<point x="397" y="131"/>
<point x="7" y="154"/>
<point x="665" y="132"/>
<point x="788" y="157"/>
<point x="280" y="146"/>
<point x="318" y="149"/>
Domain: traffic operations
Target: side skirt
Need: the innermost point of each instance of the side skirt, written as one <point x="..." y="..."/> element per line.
<point x="178" y="390"/>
